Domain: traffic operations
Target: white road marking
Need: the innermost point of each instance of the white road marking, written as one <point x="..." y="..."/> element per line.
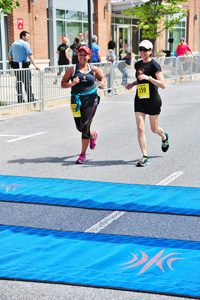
<point x="106" y="221"/>
<point x="11" y="135"/>
<point x="25" y="137"/>
<point x="170" y="178"/>
<point x="117" y="214"/>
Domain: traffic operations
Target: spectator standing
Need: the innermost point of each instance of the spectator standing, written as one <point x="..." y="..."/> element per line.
<point x="20" y="56"/>
<point x="182" y="50"/>
<point x="82" y="42"/>
<point x="96" y="55"/>
<point x="111" y="57"/>
<point x="74" y="48"/>
<point x="120" y="48"/>
<point x="127" y="59"/>
<point x="64" y="58"/>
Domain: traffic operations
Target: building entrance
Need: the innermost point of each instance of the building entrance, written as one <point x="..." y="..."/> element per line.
<point x="123" y="42"/>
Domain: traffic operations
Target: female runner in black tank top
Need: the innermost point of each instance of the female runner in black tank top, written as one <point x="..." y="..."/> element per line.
<point x="84" y="98"/>
<point x="147" y="100"/>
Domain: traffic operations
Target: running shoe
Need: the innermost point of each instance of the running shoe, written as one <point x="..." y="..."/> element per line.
<point x="93" y="141"/>
<point x="143" y="162"/>
<point x="81" y="159"/>
<point x="165" y="144"/>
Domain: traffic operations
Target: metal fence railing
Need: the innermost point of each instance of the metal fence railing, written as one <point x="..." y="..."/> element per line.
<point x="25" y="90"/>
<point x="20" y="90"/>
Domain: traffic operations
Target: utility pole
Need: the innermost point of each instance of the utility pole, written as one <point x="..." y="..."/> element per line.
<point x="90" y="23"/>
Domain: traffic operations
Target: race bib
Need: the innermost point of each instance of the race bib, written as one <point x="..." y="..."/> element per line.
<point x="76" y="114"/>
<point x="143" y="91"/>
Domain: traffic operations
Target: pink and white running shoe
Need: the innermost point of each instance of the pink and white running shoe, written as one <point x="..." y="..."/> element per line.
<point x="81" y="159"/>
<point x="93" y="141"/>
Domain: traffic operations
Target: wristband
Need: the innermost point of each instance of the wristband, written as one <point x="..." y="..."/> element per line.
<point x="150" y="78"/>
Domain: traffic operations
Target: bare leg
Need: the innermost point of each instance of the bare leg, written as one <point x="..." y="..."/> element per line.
<point x="85" y="144"/>
<point x="154" y="120"/>
<point x="140" y="121"/>
<point x="91" y="135"/>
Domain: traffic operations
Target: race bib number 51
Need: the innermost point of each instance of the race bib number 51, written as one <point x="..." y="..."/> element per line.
<point x="143" y="91"/>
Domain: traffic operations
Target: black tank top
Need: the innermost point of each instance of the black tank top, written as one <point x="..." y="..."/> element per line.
<point x="87" y="81"/>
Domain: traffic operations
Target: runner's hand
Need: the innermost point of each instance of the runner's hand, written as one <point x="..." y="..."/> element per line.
<point x="75" y="81"/>
<point x="128" y="86"/>
<point x="101" y="84"/>
<point x="143" y="77"/>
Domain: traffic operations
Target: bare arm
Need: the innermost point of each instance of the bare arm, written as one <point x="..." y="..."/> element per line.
<point x="67" y="54"/>
<point x="159" y="81"/>
<point x="33" y="61"/>
<point x="129" y="86"/>
<point x="99" y="56"/>
<point x="65" y="81"/>
<point x="188" y="48"/>
<point x="99" y="76"/>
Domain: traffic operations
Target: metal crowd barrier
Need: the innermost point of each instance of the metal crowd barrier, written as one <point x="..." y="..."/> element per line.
<point x="25" y="90"/>
<point x="52" y="77"/>
<point x="20" y="89"/>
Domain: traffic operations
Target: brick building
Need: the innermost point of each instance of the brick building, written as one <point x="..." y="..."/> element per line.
<point x="32" y="17"/>
<point x="48" y="21"/>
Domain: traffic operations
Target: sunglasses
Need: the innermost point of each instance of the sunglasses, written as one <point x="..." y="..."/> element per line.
<point x="143" y="49"/>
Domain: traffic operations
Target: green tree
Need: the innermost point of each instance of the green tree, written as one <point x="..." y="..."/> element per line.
<point x="6" y="6"/>
<point x="155" y="16"/>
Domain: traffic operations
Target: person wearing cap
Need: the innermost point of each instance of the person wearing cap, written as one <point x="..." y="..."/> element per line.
<point x="84" y="99"/>
<point x="147" y="99"/>
<point x="182" y="50"/>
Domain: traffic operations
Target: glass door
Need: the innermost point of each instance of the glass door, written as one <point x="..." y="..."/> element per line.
<point x="123" y="42"/>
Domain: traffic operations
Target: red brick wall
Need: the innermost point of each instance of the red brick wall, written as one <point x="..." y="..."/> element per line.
<point x="192" y="24"/>
<point x="102" y="25"/>
<point x="35" y="22"/>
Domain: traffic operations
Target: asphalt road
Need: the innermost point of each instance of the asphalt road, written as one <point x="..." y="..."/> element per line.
<point x="47" y="145"/>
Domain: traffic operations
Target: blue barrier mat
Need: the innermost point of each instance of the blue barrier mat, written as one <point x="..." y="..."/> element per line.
<point x="101" y="195"/>
<point x="109" y="261"/>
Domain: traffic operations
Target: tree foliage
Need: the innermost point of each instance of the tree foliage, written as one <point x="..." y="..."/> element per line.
<point x="6" y="6"/>
<point x="155" y="16"/>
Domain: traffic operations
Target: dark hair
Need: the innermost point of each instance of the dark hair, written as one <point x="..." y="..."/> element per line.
<point x="77" y="40"/>
<point x="128" y="53"/>
<point x="23" y="33"/>
<point x="75" y="43"/>
<point x="111" y="45"/>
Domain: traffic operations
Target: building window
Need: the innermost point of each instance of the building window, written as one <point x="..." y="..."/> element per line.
<point x="60" y="14"/>
<point x="72" y="30"/>
<point x="74" y="15"/>
<point x="60" y="29"/>
<point x="69" y="23"/>
<point x="127" y="21"/>
<point x="0" y="49"/>
<point x="119" y="20"/>
<point x="125" y="29"/>
<point x="177" y="34"/>
<point x="4" y="42"/>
